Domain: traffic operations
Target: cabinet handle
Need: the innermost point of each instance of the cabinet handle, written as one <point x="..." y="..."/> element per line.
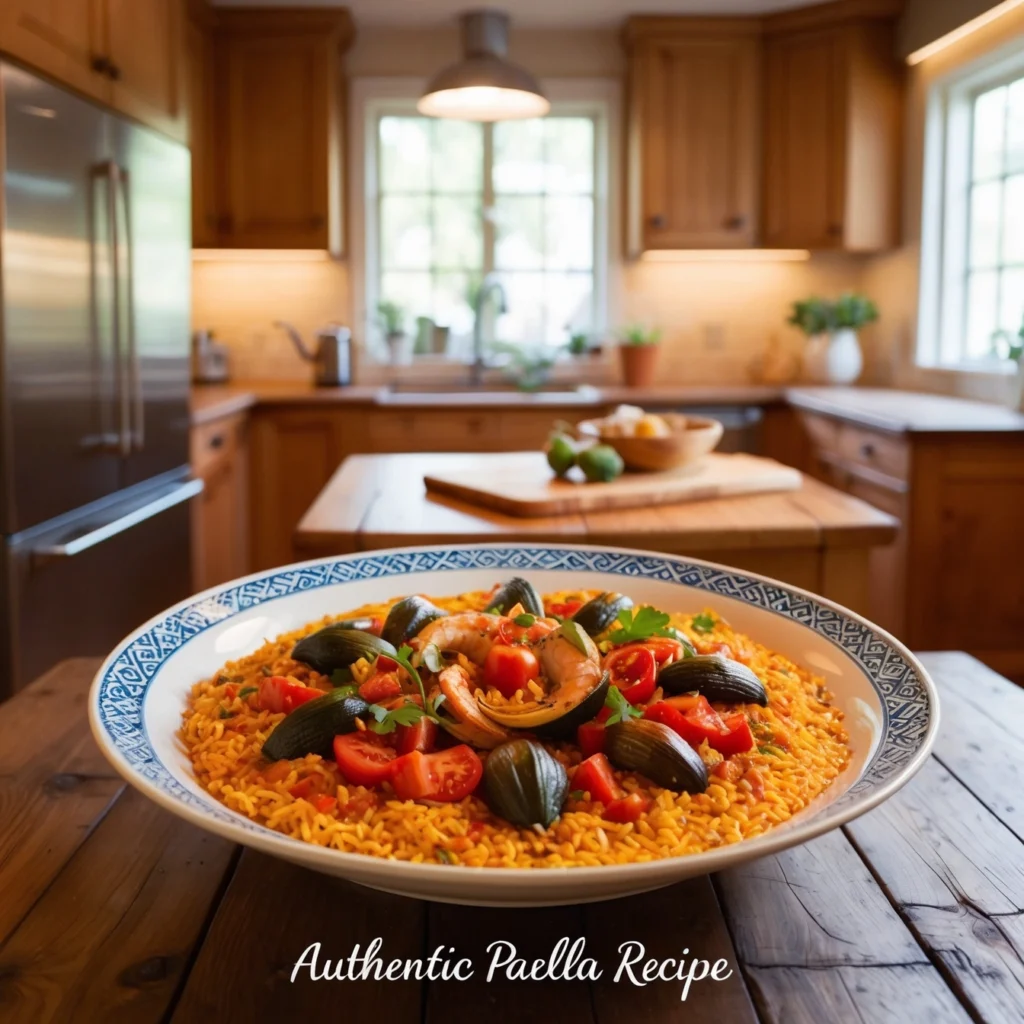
<point x="100" y="64"/>
<point x="114" y="73"/>
<point x="834" y="229"/>
<point x="658" y="220"/>
<point x="217" y="441"/>
<point x="867" y="450"/>
<point x="735" y="222"/>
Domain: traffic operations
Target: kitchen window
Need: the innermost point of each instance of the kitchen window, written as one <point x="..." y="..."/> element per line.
<point x="448" y="202"/>
<point x="973" y="232"/>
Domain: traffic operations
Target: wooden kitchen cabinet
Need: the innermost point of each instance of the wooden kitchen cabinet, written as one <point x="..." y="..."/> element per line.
<point x="278" y="155"/>
<point x="693" y="133"/>
<point x="220" y="514"/>
<point x="200" y="97"/>
<point x="832" y="130"/>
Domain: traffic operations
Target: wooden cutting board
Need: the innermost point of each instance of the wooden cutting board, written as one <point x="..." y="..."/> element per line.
<point x="522" y="484"/>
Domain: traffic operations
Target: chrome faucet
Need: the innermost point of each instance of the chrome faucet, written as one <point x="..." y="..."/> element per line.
<point x="489" y="284"/>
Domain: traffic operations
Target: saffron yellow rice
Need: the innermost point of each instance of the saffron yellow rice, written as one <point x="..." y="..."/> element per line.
<point x="801" y="748"/>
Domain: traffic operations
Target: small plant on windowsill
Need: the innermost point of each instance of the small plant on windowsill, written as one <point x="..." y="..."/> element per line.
<point x="833" y="353"/>
<point x="638" y="350"/>
<point x="1010" y="347"/>
<point x="391" y="318"/>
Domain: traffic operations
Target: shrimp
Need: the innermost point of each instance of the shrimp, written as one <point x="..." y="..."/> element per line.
<point x="468" y="633"/>
<point x="472" y="726"/>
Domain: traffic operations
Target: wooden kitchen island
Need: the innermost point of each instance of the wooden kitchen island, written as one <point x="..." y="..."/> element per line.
<point x="815" y="537"/>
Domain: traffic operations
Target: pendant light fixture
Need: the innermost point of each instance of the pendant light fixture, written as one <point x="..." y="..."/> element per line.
<point x="484" y="85"/>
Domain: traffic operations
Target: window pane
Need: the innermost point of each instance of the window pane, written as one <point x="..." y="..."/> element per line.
<point x="981" y="312"/>
<point x="989" y="124"/>
<point x="1013" y="220"/>
<point x="410" y="290"/>
<point x="569" y="227"/>
<point x="524" y="320"/>
<point x="458" y="238"/>
<point x="1011" y="314"/>
<point x="405" y="231"/>
<point x="519" y="156"/>
<point x="404" y="153"/>
<point x="458" y="156"/>
<point x="451" y="301"/>
<point x="1015" y="128"/>
<point x="519" y="230"/>
<point x="570" y="155"/>
<point x="985" y="217"/>
<point x="570" y="305"/>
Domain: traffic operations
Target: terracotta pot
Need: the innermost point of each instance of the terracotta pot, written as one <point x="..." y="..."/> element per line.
<point x="638" y="364"/>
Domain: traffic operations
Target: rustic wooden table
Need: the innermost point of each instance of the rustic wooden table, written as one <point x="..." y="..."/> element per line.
<point x="816" y="537"/>
<point x="113" y="910"/>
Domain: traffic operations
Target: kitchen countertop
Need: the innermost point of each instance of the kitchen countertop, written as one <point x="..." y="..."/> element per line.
<point x="113" y="909"/>
<point x="879" y="408"/>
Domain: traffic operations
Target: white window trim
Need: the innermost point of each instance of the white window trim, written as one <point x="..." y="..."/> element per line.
<point x="945" y="213"/>
<point x="372" y="96"/>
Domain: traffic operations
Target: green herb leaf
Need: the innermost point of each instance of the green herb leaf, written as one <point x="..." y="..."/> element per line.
<point x="574" y="634"/>
<point x="493" y="610"/>
<point x="770" y="750"/>
<point x="266" y="670"/>
<point x="578" y="794"/>
<point x="387" y="721"/>
<point x="444" y="856"/>
<point x="246" y="690"/>
<point x="620" y="707"/>
<point x="348" y="689"/>
<point x="703" y="623"/>
<point x="432" y="658"/>
<point x="378" y="712"/>
<point x="638" y="624"/>
<point x="224" y="713"/>
<point x="526" y="620"/>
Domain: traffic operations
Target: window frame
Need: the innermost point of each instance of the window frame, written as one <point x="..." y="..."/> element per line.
<point x="371" y="98"/>
<point x="945" y="213"/>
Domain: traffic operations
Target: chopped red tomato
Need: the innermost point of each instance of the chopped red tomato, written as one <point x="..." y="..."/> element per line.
<point x="422" y="736"/>
<point x="446" y="775"/>
<point x="563" y="609"/>
<point x="595" y="776"/>
<point x="753" y="776"/>
<point x="693" y="718"/>
<point x="511" y="633"/>
<point x="714" y="647"/>
<point x="278" y="693"/>
<point x="626" y="808"/>
<point x="508" y="669"/>
<point x="731" y="771"/>
<point x="386" y="664"/>
<point x="364" y="758"/>
<point x="590" y="737"/>
<point x="634" y="671"/>
<point x="324" y="803"/>
<point x="382" y="686"/>
<point x="306" y="787"/>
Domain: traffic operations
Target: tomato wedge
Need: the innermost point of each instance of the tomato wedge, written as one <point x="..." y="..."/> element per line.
<point x="510" y="668"/>
<point x="511" y="633"/>
<point x="563" y="609"/>
<point x="364" y="758"/>
<point x="696" y="720"/>
<point x="446" y="775"/>
<point x="279" y="693"/>
<point x="380" y="687"/>
<point x="422" y="736"/>
<point x="590" y="738"/>
<point x="634" y="671"/>
<point x="595" y="776"/>
<point x="739" y="738"/>
<point x="324" y="803"/>
<point x="626" y="808"/>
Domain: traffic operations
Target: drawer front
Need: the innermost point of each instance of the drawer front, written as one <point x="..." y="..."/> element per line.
<point x="395" y="431"/>
<point x="214" y="441"/>
<point x="884" y="453"/>
<point x="823" y="432"/>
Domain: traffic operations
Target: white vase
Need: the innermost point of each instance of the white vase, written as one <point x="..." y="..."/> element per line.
<point x="833" y="358"/>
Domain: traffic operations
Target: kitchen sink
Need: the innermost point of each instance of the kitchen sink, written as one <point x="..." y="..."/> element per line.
<point x="411" y="392"/>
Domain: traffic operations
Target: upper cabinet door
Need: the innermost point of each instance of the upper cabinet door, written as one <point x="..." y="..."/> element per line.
<point x="62" y="38"/>
<point x="144" y="43"/>
<point x="695" y="139"/>
<point x="805" y="141"/>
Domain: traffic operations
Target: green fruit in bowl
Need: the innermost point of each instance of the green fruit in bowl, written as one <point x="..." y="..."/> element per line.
<point x="600" y="463"/>
<point x="561" y="454"/>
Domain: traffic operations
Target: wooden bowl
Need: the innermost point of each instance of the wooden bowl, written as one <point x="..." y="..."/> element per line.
<point x="691" y="439"/>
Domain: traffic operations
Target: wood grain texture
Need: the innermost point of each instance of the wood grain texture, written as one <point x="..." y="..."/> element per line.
<point x="522" y="484"/>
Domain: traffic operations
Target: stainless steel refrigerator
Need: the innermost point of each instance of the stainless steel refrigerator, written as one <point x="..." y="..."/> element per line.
<point x="94" y="298"/>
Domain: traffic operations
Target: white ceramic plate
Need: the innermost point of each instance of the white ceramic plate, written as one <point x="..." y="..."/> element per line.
<point x="138" y="695"/>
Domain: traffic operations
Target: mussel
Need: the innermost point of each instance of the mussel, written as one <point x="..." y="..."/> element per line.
<point x="517" y="591"/>
<point x="715" y="677"/>
<point x="654" y="750"/>
<point x="311" y="727"/>
<point x="407" y="617"/>
<point x="600" y="613"/>
<point x="337" y="646"/>
<point x="525" y="784"/>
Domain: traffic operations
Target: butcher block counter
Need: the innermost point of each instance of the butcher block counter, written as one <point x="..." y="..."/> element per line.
<point x="815" y="537"/>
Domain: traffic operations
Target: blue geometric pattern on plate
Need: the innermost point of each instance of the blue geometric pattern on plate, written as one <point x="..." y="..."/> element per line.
<point x="122" y="693"/>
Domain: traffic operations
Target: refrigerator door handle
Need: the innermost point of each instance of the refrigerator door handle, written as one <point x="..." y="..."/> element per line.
<point x="175" y="496"/>
<point x="113" y="174"/>
<point x="136" y="412"/>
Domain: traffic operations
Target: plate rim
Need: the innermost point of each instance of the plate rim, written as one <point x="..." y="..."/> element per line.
<point x="398" y="875"/>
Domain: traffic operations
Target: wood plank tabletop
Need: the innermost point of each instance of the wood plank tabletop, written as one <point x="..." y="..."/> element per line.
<point x="377" y="501"/>
<point x="111" y="909"/>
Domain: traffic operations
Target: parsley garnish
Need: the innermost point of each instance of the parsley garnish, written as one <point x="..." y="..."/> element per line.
<point x="348" y="689"/>
<point x="431" y="657"/>
<point x="639" y="625"/>
<point x="574" y="634"/>
<point x="526" y="620"/>
<point x="266" y="670"/>
<point x="246" y="690"/>
<point x="224" y="713"/>
<point x="703" y="623"/>
<point x="408" y="713"/>
<point x="620" y="707"/>
<point x="444" y="856"/>
<point x="577" y="794"/>
<point x="770" y="750"/>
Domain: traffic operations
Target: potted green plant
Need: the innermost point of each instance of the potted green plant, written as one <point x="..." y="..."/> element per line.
<point x="1010" y="346"/>
<point x="638" y="350"/>
<point x="833" y="354"/>
<point x="391" y="318"/>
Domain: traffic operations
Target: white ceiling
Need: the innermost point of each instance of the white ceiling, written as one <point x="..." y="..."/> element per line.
<point x="588" y="13"/>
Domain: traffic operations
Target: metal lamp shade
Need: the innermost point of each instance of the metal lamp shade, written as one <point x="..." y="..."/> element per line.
<point x="484" y="86"/>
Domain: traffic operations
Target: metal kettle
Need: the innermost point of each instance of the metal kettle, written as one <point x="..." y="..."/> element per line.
<point x="332" y="356"/>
